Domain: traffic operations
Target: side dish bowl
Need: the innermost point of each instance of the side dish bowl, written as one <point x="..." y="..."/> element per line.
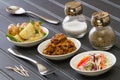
<point x="32" y="43"/>
<point x="76" y="59"/>
<point x="44" y="44"/>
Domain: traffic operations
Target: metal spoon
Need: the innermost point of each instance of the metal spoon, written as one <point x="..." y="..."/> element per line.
<point x="19" y="10"/>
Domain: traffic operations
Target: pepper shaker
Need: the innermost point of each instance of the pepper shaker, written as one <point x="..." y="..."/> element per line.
<point x="101" y="36"/>
<point x="74" y="24"/>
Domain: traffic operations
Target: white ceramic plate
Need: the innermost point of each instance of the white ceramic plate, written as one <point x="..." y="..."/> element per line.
<point x="43" y="45"/>
<point x="74" y="61"/>
<point x="33" y="43"/>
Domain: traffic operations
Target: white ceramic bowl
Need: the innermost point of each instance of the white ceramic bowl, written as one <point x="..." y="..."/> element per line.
<point x="43" y="45"/>
<point x="74" y="61"/>
<point x="33" y="43"/>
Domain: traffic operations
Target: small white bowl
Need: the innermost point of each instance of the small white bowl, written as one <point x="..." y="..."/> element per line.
<point x="75" y="60"/>
<point x="43" y="45"/>
<point x="32" y="43"/>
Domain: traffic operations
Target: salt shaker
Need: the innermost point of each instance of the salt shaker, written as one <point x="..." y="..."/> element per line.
<point x="74" y="24"/>
<point x="101" y="36"/>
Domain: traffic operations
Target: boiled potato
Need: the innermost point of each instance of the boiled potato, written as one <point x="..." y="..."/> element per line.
<point x="27" y="32"/>
<point x="18" y="37"/>
<point x="34" y="38"/>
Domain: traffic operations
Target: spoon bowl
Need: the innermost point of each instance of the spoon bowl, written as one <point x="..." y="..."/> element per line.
<point x="15" y="10"/>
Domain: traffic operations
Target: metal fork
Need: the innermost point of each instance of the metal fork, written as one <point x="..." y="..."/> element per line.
<point x="42" y="69"/>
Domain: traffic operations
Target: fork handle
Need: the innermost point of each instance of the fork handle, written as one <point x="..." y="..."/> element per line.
<point x="40" y="67"/>
<point x="15" y="53"/>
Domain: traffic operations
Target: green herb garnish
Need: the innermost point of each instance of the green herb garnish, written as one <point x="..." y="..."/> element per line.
<point x="40" y="22"/>
<point x="32" y="22"/>
<point x="36" y="31"/>
<point x="11" y="37"/>
<point x="44" y="33"/>
<point x="21" y="29"/>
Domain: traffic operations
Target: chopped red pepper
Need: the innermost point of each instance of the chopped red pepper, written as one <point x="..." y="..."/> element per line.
<point x="102" y="63"/>
<point x="83" y="60"/>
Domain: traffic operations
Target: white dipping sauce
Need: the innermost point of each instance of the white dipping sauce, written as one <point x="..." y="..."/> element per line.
<point x="75" y="28"/>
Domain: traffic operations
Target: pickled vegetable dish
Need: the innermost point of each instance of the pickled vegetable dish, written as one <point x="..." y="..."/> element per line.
<point x="93" y="62"/>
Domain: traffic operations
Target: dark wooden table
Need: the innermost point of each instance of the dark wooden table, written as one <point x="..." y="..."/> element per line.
<point x="54" y="9"/>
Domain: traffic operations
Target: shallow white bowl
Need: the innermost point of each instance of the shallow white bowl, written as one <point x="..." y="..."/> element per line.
<point x="43" y="45"/>
<point x="32" y="43"/>
<point x="75" y="60"/>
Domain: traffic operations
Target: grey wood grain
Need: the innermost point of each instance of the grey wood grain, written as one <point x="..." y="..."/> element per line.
<point x="55" y="9"/>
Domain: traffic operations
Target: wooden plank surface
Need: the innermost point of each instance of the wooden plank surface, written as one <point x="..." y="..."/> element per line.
<point x="54" y="9"/>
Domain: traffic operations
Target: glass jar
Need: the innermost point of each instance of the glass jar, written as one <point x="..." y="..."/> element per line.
<point x="74" y="24"/>
<point x="101" y="36"/>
